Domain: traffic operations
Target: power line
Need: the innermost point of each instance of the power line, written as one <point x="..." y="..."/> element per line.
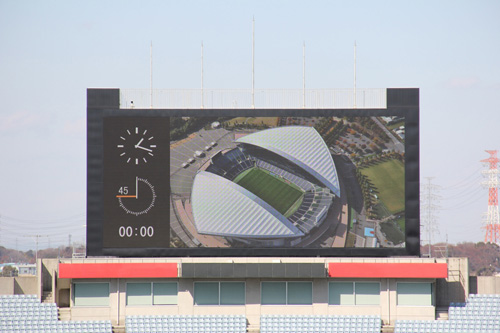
<point x="465" y="180"/>
<point x="60" y="219"/>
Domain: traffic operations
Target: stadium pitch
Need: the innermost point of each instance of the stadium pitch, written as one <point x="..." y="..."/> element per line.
<point x="273" y="190"/>
<point x="388" y="179"/>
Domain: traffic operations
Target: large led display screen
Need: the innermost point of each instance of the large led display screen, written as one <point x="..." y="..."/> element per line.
<point x="254" y="182"/>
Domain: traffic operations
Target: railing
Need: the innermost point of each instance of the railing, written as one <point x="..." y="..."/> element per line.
<point x="260" y="99"/>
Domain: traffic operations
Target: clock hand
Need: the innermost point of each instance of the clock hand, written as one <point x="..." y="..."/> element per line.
<point x="136" y="188"/>
<point x="138" y="143"/>
<point x="143" y="148"/>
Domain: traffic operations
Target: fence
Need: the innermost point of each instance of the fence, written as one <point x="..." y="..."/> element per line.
<point x="259" y="99"/>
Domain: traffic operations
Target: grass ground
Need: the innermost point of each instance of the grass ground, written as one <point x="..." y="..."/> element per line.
<point x="271" y="189"/>
<point x="381" y="210"/>
<point x="351" y="240"/>
<point x="269" y="121"/>
<point x="351" y="218"/>
<point x="401" y="222"/>
<point x="392" y="232"/>
<point x="396" y="125"/>
<point x="389" y="179"/>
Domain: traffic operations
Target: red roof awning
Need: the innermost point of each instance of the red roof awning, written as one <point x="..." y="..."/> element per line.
<point x="117" y="270"/>
<point x="387" y="270"/>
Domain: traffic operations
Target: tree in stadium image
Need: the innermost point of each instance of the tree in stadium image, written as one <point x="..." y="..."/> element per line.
<point x="267" y="182"/>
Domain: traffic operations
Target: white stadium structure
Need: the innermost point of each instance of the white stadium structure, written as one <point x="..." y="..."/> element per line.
<point x="295" y="154"/>
<point x="302" y="146"/>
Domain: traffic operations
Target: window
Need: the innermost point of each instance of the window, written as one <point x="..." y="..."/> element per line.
<point x="206" y="293"/>
<point x="367" y="293"/>
<point x="91" y="294"/>
<point x="164" y="293"/>
<point x="354" y="293"/>
<point x="152" y="293"/>
<point x="341" y="293"/>
<point x="138" y="293"/>
<point x="219" y="293"/>
<point x="283" y="293"/>
<point x="232" y="293"/>
<point x="273" y="293"/>
<point x="415" y="294"/>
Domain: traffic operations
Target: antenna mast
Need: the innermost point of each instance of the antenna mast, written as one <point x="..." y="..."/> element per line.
<point x="354" y="74"/>
<point x="304" y="75"/>
<point x="202" y="101"/>
<point x="253" y="62"/>
<point x="151" y="75"/>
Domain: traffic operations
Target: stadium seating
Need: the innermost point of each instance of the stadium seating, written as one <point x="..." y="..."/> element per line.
<point x="231" y="164"/>
<point x="315" y="203"/>
<point x="481" y="313"/>
<point x="192" y="324"/>
<point x="25" y="313"/>
<point x="315" y="323"/>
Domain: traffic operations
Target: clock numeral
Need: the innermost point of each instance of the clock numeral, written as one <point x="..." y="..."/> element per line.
<point x="125" y="231"/>
<point x="128" y="231"/>
<point x="123" y="190"/>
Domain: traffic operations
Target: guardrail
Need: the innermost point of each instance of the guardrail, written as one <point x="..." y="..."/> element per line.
<point x="258" y="99"/>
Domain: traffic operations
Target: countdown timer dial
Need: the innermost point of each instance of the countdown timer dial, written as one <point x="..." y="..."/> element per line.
<point x="136" y="145"/>
<point x="137" y="199"/>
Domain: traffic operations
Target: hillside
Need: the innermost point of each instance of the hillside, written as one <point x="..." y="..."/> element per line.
<point x="484" y="259"/>
<point x="28" y="257"/>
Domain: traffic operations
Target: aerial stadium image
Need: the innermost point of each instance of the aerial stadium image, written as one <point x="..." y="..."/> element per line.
<point x="263" y="182"/>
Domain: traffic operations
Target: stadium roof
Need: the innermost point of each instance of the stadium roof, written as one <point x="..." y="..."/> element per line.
<point x="301" y="145"/>
<point x="223" y="208"/>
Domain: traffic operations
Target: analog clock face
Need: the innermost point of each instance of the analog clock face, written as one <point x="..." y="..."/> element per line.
<point x="138" y="198"/>
<point x="136" y="145"/>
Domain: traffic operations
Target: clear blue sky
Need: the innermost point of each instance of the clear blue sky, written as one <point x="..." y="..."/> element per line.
<point x="52" y="51"/>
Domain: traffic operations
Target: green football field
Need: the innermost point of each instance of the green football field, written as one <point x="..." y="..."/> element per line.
<point x="271" y="189"/>
<point x="389" y="179"/>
